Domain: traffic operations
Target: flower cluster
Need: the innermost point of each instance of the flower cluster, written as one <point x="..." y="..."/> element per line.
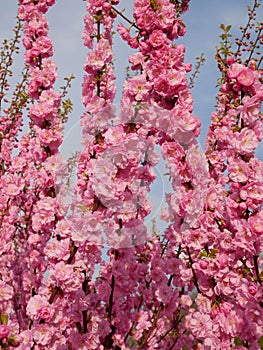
<point x="227" y="264"/>
<point x="29" y="207"/>
<point x="198" y="284"/>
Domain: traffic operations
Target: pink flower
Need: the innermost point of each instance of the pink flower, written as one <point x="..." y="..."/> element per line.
<point x="26" y="340"/>
<point x="44" y="313"/>
<point x="163" y="293"/>
<point x="124" y="32"/>
<point x="37" y="307"/>
<point x="200" y="324"/>
<point x="138" y="86"/>
<point x="42" y="334"/>
<point x="44" y="213"/>
<point x="157" y="38"/>
<point x="175" y="77"/>
<point x="253" y="191"/>
<point x="246" y="77"/>
<point x="6" y="292"/>
<point x="238" y="170"/>
<point x="203" y="264"/>
<point x="246" y="141"/>
<point x="4" y="331"/>
<point x="67" y="276"/>
<point x="234" y="70"/>
<point x="58" y="249"/>
<point x="143" y="323"/>
<point x="252" y="289"/>
<point x="186" y="300"/>
<point x="256" y="222"/>
<point x="44" y="45"/>
<point x="97" y="58"/>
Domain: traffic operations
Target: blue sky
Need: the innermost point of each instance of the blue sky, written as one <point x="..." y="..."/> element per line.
<point x="202" y="22"/>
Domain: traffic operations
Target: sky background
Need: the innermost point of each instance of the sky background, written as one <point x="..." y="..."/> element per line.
<point x="202" y="23"/>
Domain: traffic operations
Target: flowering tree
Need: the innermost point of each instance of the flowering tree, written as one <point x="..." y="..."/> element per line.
<point x="198" y="284"/>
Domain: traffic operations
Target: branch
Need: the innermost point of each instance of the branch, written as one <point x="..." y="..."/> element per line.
<point x="200" y="60"/>
<point x="193" y="271"/>
<point x="255" y="259"/>
<point x="125" y="18"/>
<point x="111" y="297"/>
<point x="153" y="326"/>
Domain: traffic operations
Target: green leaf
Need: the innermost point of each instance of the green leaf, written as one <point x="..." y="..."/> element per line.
<point x="82" y="207"/>
<point x="260" y="342"/>
<point x="238" y="341"/>
<point x="228" y="28"/>
<point x="3" y="319"/>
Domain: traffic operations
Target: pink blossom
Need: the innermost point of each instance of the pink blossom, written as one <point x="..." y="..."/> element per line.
<point x="138" y="86"/>
<point x="246" y="77"/>
<point x="44" y="46"/>
<point x="246" y="141"/>
<point x="37" y="307"/>
<point x="200" y="324"/>
<point x="124" y="32"/>
<point x="157" y="38"/>
<point x="44" y="313"/>
<point x="200" y="274"/>
<point x="253" y="191"/>
<point x="6" y="291"/>
<point x="238" y="170"/>
<point x="26" y="340"/>
<point x="142" y="324"/>
<point x="42" y="334"/>
<point x="256" y="222"/>
<point x="234" y="70"/>
<point x="4" y="331"/>
<point x="58" y="249"/>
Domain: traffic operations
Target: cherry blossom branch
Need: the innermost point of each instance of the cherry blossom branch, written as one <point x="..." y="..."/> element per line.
<point x="259" y="40"/>
<point x="6" y="62"/>
<point x="244" y="30"/>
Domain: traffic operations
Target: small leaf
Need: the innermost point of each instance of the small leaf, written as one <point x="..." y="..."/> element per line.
<point x="82" y="207"/>
<point x="238" y="341"/>
<point x="3" y="319"/>
<point x="260" y="342"/>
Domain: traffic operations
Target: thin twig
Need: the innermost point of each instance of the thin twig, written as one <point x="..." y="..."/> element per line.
<point x="125" y="18"/>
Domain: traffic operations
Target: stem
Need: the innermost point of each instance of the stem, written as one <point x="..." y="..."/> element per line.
<point x="255" y="259"/>
<point x="111" y="297"/>
<point x="254" y="46"/>
<point x="55" y="291"/>
<point x="99" y="73"/>
<point x="259" y="62"/>
<point x="9" y="61"/>
<point x="247" y="27"/>
<point x="73" y="251"/>
<point x="125" y="18"/>
<point x="108" y="342"/>
<point x="153" y="326"/>
<point x="193" y="271"/>
<point x="85" y="321"/>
